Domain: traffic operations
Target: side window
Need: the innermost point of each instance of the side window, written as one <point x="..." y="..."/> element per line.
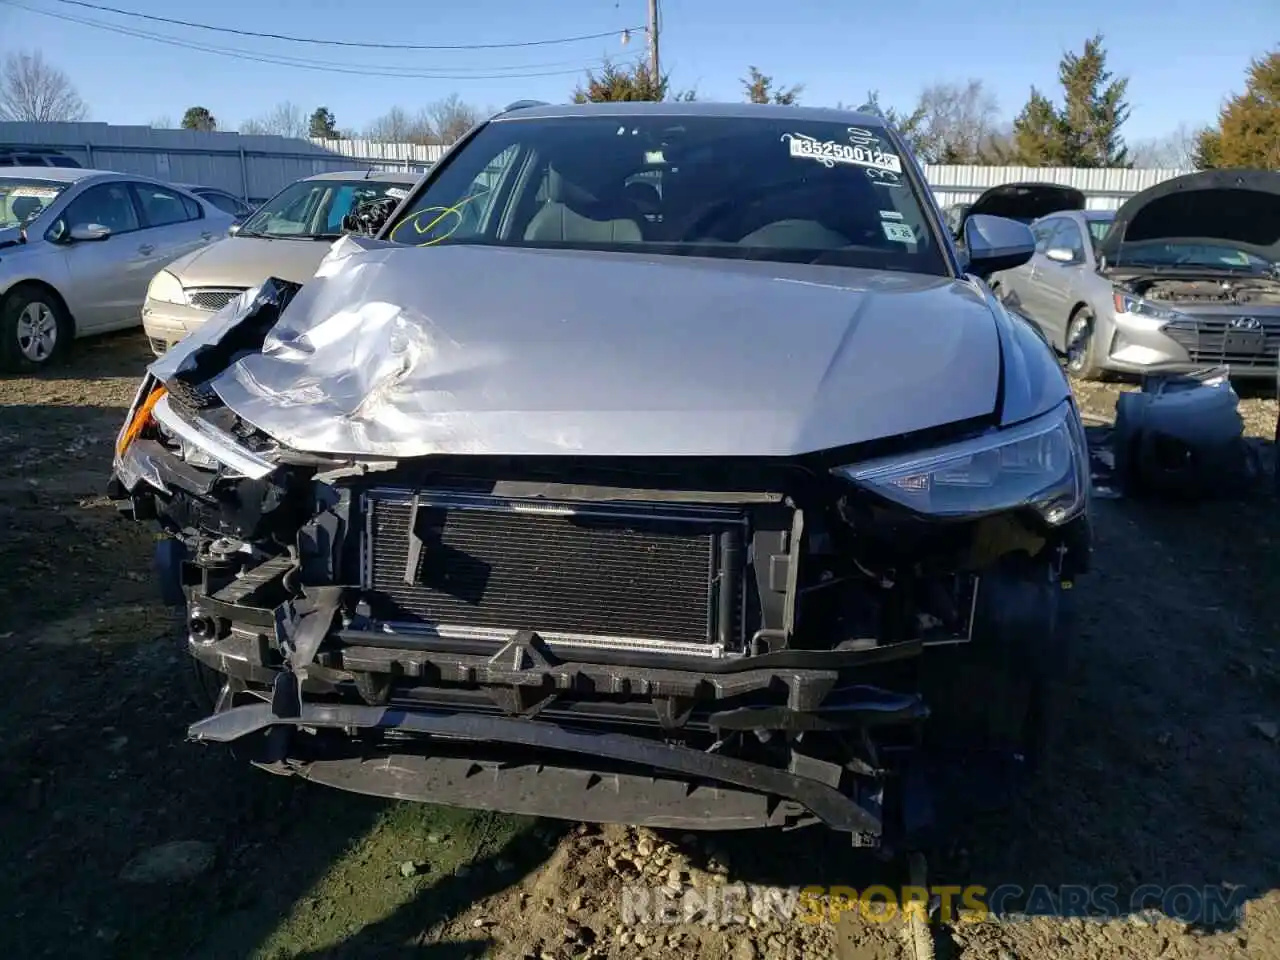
<point x="1068" y="237"/>
<point x="161" y="207"/>
<point x="475" y="205"/>
<point x="192" y="207"/>
<point x="225" y="203"/>
<point x="109" y="205"/>
<point x="342" y="201"/>
<point x="1042" y="231"/>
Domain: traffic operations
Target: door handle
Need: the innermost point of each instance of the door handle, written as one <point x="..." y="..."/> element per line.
<point x="207" y="235"/>
<point x="145" y="249"/>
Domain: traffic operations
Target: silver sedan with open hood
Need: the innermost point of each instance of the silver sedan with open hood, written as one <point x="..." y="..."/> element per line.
<point x="1186" y="276"/>
<point x="662" y="463"/>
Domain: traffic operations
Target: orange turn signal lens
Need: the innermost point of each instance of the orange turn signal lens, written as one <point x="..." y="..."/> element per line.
<point x="141" y="418"/>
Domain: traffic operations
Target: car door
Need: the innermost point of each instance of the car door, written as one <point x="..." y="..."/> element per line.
<point x="1015" y="284"/>
<point x="104" y="275"/>
<point x="1059" y="281"/>
<point x="1035" y="297"/>
<point x="173" y="223"/>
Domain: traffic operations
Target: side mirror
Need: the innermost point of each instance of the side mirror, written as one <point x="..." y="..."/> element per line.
<point x="996" y="243"/>
<point x="234" y="229"/>
<point x="1060" y="255"/>
<point x="88" y="233"/>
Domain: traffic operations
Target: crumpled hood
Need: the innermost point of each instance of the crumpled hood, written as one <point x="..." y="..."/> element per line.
<point x="247" y="261"/>
<point x="1236" y="207"/>
<point x="396" y="352"/>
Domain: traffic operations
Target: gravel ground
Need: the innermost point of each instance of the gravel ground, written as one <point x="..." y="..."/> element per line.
<point x="122" y="840"/>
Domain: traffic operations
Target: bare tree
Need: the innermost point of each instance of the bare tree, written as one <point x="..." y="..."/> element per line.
<point x="450" y="118"/>
<point x="36" y="91"/>
<point x="397" y="125"/>
<point x="956" y="121"/>
<point x="285" y="119"/>
<point x="163" y="122"/>
<point x="1175" y="150"/>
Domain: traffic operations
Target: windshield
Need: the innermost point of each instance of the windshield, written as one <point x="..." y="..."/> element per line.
<point x="313" y="209"/>
<point x="21" y="200"/>
<point x="1217" y="256"/>
<point x="794" y="190"/>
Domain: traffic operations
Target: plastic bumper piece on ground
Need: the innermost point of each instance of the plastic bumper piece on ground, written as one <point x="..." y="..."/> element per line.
<point x="664" y="791"/>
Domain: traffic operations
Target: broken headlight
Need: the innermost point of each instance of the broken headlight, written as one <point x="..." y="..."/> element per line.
<point x="1042" y="464"/>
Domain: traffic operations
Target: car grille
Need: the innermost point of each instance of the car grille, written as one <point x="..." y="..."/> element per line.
<point x="632" y="576"/>
<point x="212" y="298"/>
<point x="1215" y="340"/>
<point x="158" y="347"/>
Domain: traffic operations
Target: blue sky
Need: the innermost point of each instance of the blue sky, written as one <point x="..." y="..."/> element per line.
<point x="1180" y="65"/>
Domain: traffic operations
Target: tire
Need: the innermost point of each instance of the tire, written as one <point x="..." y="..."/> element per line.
<point x="1081" y="347"/>
<point x="999" y="694"/>
<point x="35" y="328"/>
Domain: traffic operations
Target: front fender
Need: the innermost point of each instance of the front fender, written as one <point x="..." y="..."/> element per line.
<point x="1032" y="380"/>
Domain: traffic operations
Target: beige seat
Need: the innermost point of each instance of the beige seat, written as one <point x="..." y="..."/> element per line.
<point x="558" y="221"/>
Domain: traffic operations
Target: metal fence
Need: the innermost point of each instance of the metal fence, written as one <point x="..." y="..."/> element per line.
<point x="255" y="167"/>
<point x="1104" y="189"/>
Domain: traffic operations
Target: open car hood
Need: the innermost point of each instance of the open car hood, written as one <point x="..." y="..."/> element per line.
<point x="396" y="352"/>
<point x="1026" y="201"/>
<point x="1238" y="207"/>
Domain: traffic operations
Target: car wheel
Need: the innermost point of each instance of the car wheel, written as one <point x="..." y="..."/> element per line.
<point x="35" y="328"/>
<point x="1081" y="347"/>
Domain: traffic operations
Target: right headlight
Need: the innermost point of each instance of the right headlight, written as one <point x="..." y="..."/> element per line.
<point x="1041" y="464"/>
<point x="166" y="288"/>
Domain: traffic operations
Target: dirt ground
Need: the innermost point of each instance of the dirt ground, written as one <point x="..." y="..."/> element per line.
<point x="119" y="839"/>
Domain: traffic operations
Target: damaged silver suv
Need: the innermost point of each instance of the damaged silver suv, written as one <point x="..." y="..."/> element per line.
<point x="655" y="463"/>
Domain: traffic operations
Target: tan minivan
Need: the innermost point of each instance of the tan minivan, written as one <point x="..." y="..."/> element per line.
<point x="286" y="237"/>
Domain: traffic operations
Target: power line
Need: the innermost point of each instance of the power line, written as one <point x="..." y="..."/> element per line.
<point x="362" y="70"/>
<point x="103" y="8"/>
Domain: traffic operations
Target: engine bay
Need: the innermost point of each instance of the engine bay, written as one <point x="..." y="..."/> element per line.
<point x="1258" y="291"/>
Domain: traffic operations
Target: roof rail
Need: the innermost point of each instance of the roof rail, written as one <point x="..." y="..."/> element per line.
<point x="525" y="104"/>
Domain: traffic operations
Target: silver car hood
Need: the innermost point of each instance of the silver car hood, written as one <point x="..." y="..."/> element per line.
<point x="397" y="352"/>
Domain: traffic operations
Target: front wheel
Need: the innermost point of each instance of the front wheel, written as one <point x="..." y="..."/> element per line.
<point x="1082" y="361"/>
<point x="35" y="329"/>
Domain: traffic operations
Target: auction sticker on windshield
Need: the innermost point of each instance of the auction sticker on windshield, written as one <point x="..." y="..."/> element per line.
<point x="862" y="150"/>
<point x="898" y="232"/>
<point x="40" y="193"/>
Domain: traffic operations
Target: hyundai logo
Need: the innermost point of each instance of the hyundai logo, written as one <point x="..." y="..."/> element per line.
<point x="1245" y="323"/>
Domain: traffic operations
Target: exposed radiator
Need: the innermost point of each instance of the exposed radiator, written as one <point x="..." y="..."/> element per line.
<point x="627" y="575"/>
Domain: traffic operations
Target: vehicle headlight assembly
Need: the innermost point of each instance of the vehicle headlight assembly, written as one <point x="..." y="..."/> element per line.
<point x="1040" y="464"/>
<point x="166" y="288"/>
<point x="1133" y="306"/>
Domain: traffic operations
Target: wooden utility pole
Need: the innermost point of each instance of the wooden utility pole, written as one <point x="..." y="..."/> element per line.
<point x="653" y="41"/>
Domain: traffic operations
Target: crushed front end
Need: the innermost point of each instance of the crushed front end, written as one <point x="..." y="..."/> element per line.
<point x="702" y="644"/>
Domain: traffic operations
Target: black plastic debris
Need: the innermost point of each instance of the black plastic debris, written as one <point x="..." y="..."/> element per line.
<point x="1182" y="436"/>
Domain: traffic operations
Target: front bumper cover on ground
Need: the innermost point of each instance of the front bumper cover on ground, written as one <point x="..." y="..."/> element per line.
<point x="678" y="786"/>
